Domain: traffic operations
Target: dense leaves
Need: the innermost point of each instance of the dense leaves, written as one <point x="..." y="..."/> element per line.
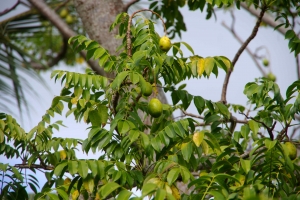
<point x="205" y="151"/>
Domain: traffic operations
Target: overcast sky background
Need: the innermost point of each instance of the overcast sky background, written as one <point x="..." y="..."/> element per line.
<point x="207" y="38"/>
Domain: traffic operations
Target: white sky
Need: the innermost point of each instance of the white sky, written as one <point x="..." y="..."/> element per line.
<point x="207" y="38"/>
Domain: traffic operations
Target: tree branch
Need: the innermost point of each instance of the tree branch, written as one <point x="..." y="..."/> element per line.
<point x="10" y="9"/>
<point x="242" y="42"/>
<point x="126" y="7"/>
<point x="268" y="19"/>
<point x="64" y="29"/>
<point x="239" y="52"/>
<point x="34" y="166"/>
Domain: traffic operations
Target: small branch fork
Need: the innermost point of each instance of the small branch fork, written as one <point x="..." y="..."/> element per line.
<point x="239" y="52"/>
<point x="10" y="9"/>
<point x="270" y="130"/>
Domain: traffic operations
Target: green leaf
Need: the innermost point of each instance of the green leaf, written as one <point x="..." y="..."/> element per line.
<point x="148" y="188"/>
<point x="186" y="149"/>
<point x="118" y="80"/>
<point x="124" y="194"/>
<point x="188" y="47"/>
<point x="52" y="196"/>
<point x="269" y="143"/>
<point x="199" y="103"/>
<point x="246" y="165"/>
<point x="173" y="175"/>
<point x="223" y="109"/>
<point x="59" y="168"/>
<point x="17" y="173"/>
<point x="83" y="168"/>
<point x="62" y="194"/>
<point x="107" y="189"/>
<point x="253" y="126"/>
<point x="160" y="194"/>
<point x="137" y="56"/>
<point x="93" y="167"/>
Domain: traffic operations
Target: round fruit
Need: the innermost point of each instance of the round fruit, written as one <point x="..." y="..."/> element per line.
<point x="69" y="19"/>
<point x="63" y="13"/>
<point x="155" y="107"/>
<point x="271" y="77"/>
<point x="165" y="43"/>
<point x="147" y="89"/>
<point x="62" y="154"/>
<point x="181" y="3"/>
<point x="265" y="62"/>
<point x="292" y="150"/>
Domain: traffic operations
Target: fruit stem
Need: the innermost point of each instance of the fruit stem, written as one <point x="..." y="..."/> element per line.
<point x="129" y="24"/>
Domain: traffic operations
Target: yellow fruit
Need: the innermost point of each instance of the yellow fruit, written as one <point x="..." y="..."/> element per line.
<point x="62" y="154"/>
<point x="75" y="195"/>
<point x="63" y="13"/>
<point x="69" y="19"/>
<point x="271" y="77"/>
<point x="67" y="181"/>
<point x="147" y="89"/>
<point x="155" y="108"/>
<point x="292" y="150"/>
<point x="265" y="62"/>
<point x="165" y="43"/>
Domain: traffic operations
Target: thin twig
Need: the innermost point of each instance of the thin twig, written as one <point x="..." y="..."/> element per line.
<point x="238" y="54"/>
<point x="34" y="166"/>
<point x="252" y="55"/>
<point x="128" y="37"/>
<point x="270" y="130"/>
<point x="10" y="9"/>
<point x="126" y="7"/>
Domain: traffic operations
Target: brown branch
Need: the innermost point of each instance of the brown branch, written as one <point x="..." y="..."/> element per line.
<point x="270" y="130"/>
<point x="34" y="166"/>
<point x="10" y="9"/>
<point x="242" y="42"/>
<point x="126" y="7"/>
<point x="239" y="52"/>
<point x="64" y="29"/>
<point x="268" y="19"/>
<point x="246" y="154"/>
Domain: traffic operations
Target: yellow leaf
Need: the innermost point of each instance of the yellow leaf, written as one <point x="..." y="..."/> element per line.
<point x="205" y="147"/>
<point x="209" y="64"/>
<point x="200" y="66"/>
<point x="198" y="138"/>
<point x="67" y="181"/>
<point x="175" y="192"/>
<point x="168" y="188"/>
<point x="75" y="194"/>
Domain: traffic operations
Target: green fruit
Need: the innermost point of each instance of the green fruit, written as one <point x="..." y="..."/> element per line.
<point x="165" y="43"/>
<point x="147" y="89"/>
<point x="155" y="108"/>
<point x="292" y="150"/>
<point x="181" y="3"/>
<point x="271" y="77"/>
<point x="63" y="13"/>
<point x="69" y="19"/>
<point x="265" y="62"/>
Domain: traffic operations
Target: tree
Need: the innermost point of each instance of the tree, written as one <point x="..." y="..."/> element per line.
<point x="204" y="150"/>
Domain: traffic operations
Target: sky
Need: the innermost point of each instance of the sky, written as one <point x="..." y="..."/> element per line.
<point x="207" y="38"/>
